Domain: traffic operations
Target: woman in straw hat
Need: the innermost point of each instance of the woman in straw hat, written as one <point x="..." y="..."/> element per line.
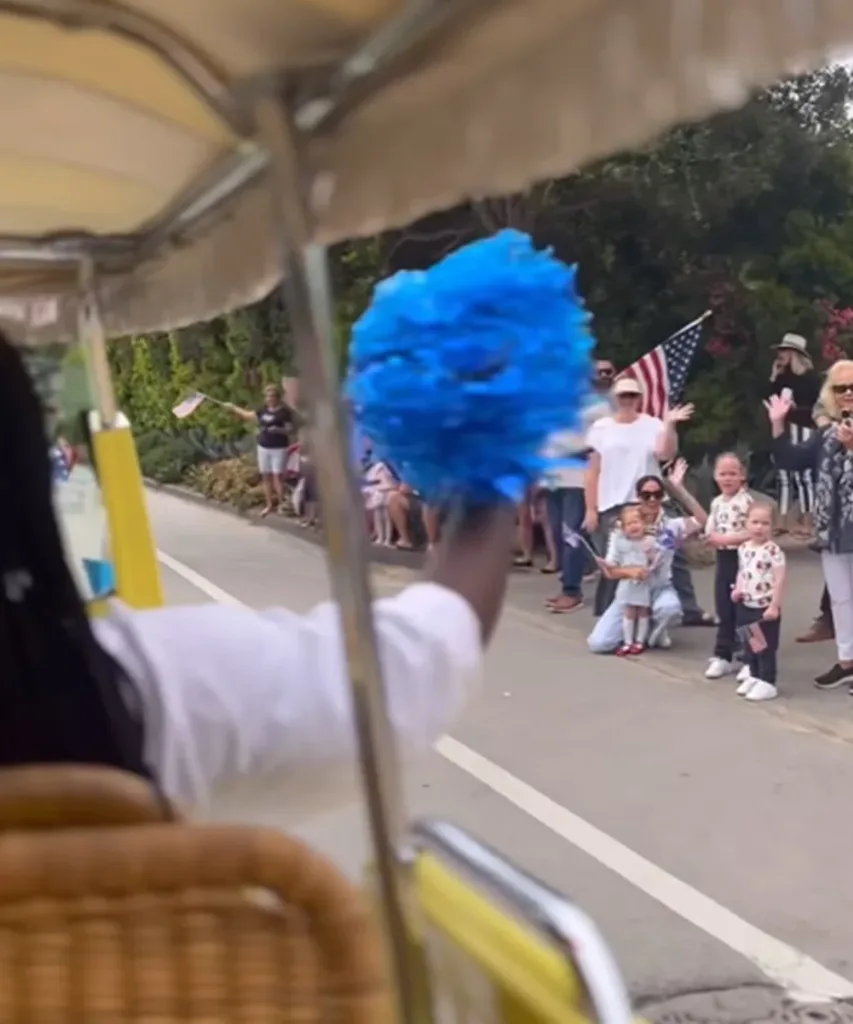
<point x="794" y="375"/>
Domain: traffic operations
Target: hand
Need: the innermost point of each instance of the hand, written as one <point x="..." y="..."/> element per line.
<point x="680" y="413"/>
<point x="678" y="473"/>
<point x="845" y="434"/>
<point x="736" y="595"/>
<point x="638" y="573"/>
<point x="590" y="521"/>
<point x="606" y="571"/>
<point x="778" y="408"/>
<point x="772" y="612"/>
<point x="717" y="540"/>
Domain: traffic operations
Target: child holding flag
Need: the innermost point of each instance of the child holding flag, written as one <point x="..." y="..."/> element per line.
<point x="758" y="594"/>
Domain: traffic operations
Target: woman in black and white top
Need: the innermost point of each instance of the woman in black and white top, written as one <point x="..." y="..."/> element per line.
<point x="794" y="375"/>
<point x="275" y="424"/>
<point x="828" y="453"/>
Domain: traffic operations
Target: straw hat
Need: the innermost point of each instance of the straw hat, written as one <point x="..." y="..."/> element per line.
<point x="627" y="386"/>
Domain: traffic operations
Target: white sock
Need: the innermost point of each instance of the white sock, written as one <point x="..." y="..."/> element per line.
<point x="642" y="630"/>
<point x="627" y="631"/>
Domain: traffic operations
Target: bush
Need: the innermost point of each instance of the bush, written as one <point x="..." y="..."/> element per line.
<point x="166" y="458"/>
<point x="235" y="481"/>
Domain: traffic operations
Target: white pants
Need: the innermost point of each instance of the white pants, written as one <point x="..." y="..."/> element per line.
<point x="606" y="634"/>
<point x="271" y="461"/>
<point x="838" y="573"/>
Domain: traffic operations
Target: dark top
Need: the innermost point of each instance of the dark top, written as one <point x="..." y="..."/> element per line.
<point x="805" y="388"/>
<point x="280" y="417"/>
<point x="824" y="455"/>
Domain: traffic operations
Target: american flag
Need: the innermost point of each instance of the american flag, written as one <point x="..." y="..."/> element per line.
<point x="189" y="405"/>
<point x="663" y="371"/>
<point x="61" y="463"/>
<point x="753" y="636"/>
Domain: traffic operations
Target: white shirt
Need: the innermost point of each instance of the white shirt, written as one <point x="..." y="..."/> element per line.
<point x="728" y="515"/>
<point x="571" y="446"/>
<point x="243" y="706"/>
<point x="757" y="566"/>
<point x="627" y="453"/>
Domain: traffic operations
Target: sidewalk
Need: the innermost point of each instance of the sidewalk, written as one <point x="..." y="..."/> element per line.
<point x="799" y="702"/>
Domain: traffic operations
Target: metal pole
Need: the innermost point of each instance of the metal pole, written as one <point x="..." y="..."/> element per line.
<point x="94" y="341"/>
<point x="310" y="312"/>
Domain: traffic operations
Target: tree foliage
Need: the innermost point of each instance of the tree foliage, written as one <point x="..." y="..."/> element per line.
<point x="749" y="213"/>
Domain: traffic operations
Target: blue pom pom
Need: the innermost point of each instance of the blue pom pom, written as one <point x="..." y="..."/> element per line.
<point x="460" y="373"/>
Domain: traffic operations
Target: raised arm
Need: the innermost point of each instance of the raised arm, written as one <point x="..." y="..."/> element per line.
<point x="790" y="456"/>
<point x="244" y="414"/>
<point x="242" y="703"/>
<point x="675" y="484"/>
<point x="666" y="446"/>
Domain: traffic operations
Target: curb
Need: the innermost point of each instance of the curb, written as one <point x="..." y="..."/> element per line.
<point x="280" y="524"/>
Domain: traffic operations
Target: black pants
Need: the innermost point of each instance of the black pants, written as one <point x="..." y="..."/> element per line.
<point x="762" y="664"/>
<point x="826" y="607"/>
<point x="725" y="575"/>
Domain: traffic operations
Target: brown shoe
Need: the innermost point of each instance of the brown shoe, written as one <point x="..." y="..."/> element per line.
<point x="819" y="631"/>
<point x="562" y="604"/>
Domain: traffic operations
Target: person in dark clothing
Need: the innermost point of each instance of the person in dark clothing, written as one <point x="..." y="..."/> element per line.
<point x="794" y="375"/>
<point x="275" y="423"/>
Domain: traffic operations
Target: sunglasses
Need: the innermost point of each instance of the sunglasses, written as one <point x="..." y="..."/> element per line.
<point x="651" y="495"/>
<point x="842" y="389"/>
<point x="605" y="371"/>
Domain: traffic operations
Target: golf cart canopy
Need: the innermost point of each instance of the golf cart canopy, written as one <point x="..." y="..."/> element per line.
<point x="130" y="136"/>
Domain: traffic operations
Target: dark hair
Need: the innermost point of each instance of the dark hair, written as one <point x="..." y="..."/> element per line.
<point x="62" y="697"/>
<point x="649" y="478"/>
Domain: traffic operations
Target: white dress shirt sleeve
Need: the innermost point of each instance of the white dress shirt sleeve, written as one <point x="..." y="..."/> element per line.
<point x="243" y="702"/>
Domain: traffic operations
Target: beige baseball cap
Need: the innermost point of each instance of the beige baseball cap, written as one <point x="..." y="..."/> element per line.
<point x="627" y="386"/>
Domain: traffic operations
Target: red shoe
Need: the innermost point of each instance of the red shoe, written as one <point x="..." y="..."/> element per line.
<point x="637" y="648"/>
<point x="624" y="650"/>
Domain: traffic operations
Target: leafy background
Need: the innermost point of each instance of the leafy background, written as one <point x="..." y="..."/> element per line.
<point x="749" y="213"/>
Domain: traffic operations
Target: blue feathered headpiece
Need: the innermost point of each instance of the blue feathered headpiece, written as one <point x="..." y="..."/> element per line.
<point x="460" y="373"/>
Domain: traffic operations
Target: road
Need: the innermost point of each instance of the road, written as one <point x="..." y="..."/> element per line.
<point x="706" y="837"/>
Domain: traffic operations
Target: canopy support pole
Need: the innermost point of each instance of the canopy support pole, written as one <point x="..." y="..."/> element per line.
<point x="310" y="312"/>
<point x="94" y="341"/>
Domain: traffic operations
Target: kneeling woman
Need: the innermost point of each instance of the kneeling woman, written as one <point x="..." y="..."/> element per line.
<point x="669" y="533"/>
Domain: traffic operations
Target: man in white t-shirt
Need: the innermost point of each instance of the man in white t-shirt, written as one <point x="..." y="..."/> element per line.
<point x="625" y="446"/>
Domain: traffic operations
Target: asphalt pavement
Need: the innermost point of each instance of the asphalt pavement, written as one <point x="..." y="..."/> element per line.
<point x="707" y="837"/>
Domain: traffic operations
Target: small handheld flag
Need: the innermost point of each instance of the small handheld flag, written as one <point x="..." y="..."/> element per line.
<point x="576" y="540"/>
<point x="61" y="463"/>
<point x="753" y="637"/>
<point x="189" y="405"/>
<point x="668" y="539"/>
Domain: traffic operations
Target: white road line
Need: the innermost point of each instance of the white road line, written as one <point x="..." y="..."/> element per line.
<point x="200" y="582"/>
<point x="802" y="977"/>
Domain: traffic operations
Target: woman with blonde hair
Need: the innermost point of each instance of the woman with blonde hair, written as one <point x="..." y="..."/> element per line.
<point x="793" y="374"/>
<point x="828" y="453"/>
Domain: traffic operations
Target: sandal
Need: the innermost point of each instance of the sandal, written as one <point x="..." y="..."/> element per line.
<point x="520" y="562"/>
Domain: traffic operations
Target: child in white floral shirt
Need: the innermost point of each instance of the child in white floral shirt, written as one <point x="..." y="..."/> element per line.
<point x="725" y="530"/>
<point x="758" y="594"/>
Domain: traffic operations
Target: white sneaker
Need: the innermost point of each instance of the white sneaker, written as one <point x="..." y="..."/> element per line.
<point x="659" y="635"/>
<point x="718" y="667"/>
<point x="746" y="685"/>
<point x="762" y="691"/>
<point x="664" y="640"/>
<point x="743" y="674"/>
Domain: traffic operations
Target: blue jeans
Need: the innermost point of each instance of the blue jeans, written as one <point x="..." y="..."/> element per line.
<point x="606" y="634"/>
<point x="566" y="509"/>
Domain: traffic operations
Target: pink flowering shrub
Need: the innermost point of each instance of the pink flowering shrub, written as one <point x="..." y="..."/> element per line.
<point x="836" y="335"/>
